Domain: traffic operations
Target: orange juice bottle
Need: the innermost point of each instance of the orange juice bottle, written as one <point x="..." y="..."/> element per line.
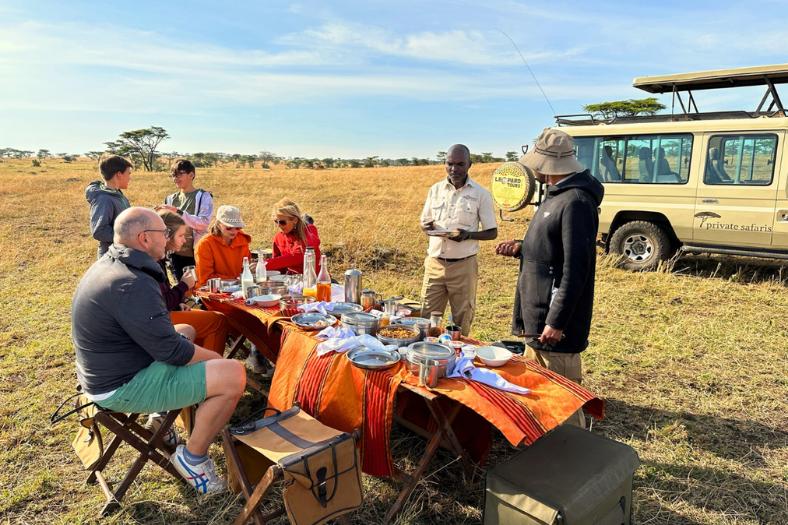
<point x="310" y="292"/>
<point x="324" y="281"/>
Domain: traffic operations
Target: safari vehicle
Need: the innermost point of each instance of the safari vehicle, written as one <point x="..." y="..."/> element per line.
<point x="691" y="181"/>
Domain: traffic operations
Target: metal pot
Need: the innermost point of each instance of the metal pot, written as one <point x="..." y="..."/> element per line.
<point x="429" y="362"/>
<point x="414" y="330"/>
<point x="272" y="287"/>
<point x="422" y="323"/>
<point x="360" y="322"/>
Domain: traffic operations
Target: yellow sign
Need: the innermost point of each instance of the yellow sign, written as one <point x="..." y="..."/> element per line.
<point x="512" y="186"/>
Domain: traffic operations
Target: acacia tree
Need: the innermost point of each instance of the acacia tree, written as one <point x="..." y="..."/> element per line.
<point x="140" y="144"/>
<point x="625" y="108"/>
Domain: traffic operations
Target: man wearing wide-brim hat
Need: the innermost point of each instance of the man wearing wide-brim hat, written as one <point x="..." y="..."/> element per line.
<point x="555" y="289"/>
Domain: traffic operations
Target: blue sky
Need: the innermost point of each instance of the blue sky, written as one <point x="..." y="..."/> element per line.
<point x="352" y="79"/>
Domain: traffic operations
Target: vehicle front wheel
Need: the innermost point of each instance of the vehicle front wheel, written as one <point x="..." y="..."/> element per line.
<point x="642" y="244"/>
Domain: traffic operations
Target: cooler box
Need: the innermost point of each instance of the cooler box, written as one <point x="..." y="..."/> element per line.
<point x="568" y="477"/>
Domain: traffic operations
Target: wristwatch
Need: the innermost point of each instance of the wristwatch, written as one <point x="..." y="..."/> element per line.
<point x="179" y="211"/>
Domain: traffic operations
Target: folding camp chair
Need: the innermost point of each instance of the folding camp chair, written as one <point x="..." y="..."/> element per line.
<point x="318" y="466"/>
<point x="125" y="428"/>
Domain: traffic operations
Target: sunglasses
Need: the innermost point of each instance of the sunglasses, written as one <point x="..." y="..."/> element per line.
<point x="280" y="222"/>
<point x="231" y="228"/>
<point x="179" y="174"/>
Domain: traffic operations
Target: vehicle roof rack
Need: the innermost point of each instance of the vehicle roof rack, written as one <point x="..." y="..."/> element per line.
<point x="717" y="79"/>
<point x="687" y="82"/>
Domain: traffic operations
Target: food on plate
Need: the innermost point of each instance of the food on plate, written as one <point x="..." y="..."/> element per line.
<point x="396" y="332"/>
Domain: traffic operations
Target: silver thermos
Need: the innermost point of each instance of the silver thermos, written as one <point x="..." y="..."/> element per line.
<point x="353" y="286"/>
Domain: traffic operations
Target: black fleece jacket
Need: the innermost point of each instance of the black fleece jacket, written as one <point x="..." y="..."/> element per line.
<point x="558" y="262"/>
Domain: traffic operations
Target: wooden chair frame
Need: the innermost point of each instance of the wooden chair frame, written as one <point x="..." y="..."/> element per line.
<point x="150" y="445"/>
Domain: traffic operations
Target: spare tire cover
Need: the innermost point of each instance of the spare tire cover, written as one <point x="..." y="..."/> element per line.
<point x="513" y="186"/>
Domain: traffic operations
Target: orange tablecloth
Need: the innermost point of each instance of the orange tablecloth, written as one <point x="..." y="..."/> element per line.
<point x="345" y="397"/>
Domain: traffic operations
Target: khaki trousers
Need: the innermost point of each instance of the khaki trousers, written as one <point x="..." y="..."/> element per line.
<point x="568" y="365"/>
<point x="452" y="282"/>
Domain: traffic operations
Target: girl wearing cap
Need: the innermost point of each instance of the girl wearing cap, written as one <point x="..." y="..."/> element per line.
<point x="294" y="236"/>
<point x="211" y="327"/>
<point x="222" y="251"/>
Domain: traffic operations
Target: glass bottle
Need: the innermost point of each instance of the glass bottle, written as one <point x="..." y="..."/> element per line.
<point x="310" y="277"/>
<point x="261" y="273"/>
<point x="324" y="281"/>
<point x="246" y="277"/>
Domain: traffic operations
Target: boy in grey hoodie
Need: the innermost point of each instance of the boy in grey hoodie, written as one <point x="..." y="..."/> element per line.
<point x="106" y="199"/>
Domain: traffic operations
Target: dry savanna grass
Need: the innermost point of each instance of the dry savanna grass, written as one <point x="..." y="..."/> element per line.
<point x="691" y="359"/>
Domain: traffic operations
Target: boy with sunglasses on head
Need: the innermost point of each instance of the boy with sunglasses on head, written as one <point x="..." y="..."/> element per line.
<point x="195" y="206"/>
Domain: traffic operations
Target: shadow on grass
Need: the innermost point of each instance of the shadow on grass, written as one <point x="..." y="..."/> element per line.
<point x="744" y="270"/>
<point x="695" y="485"/>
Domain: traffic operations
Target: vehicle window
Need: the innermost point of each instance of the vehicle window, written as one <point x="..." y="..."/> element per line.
<point x="745" y="160"/>
<point x="637" y="159"/>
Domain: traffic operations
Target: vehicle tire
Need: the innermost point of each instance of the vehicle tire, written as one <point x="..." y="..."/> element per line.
<point x="641" y="244"/>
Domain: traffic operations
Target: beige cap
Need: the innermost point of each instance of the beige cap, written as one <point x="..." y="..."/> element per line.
<point x="553" y="154"/>
<point x="229" y="216"/>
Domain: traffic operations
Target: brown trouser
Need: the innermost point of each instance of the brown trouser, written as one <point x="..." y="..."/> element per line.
<point x="211" y="327"/>
<point x="568" y="365"/>
<point x="453" y="282"/>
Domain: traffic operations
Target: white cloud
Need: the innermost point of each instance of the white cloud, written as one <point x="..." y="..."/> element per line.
<point x="457" y="46"/>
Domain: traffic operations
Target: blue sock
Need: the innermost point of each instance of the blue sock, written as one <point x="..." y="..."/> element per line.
<point x="191" y="459"/>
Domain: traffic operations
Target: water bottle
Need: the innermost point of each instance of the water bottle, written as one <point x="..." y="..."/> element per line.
<point x="261" y="273"/>
<point x="246" y="277"/>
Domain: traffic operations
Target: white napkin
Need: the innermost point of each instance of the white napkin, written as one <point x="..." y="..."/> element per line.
<point x="343" y="344"/>
<point x="465" y="368"/>
<point x="322" y="307"/>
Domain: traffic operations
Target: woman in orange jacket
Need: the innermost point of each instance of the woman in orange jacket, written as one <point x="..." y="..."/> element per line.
<point x="221" y="253"/>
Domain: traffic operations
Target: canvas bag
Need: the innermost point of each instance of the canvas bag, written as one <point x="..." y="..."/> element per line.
<point x="321" y="465"/>
<point x="87" y="443"/>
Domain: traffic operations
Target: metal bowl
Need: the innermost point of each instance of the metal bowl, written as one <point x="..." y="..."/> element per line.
<point x="414" y="331"/>
<point x="314" y="320"/>
<point x="360" y="322"/>
<point x="370" y="359"/>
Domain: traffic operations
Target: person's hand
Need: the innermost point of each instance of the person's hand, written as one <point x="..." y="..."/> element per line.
<point x="460" y="235"/>
<point x="509" y="248"/>
<point x="167" y="207"/>
<point x="184" y="307"/>
<point x="189" y="278"/>
<point x="428" y="226"/>
<point x="551" y="336"/>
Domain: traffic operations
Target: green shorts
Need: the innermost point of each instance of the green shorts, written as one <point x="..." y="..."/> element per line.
<point x="158" y="388"/>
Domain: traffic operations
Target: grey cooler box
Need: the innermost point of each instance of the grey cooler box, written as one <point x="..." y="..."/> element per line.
<point x="568" y="477"/>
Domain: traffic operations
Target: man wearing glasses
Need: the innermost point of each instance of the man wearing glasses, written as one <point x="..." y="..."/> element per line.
<point x="130" y="358"/>
<point x="195" y="206"/>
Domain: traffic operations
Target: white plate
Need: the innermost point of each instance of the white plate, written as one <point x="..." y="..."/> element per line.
<point x="493" y="355"/>
<point x="440" y="232"/>
<point x="266" y="300"/>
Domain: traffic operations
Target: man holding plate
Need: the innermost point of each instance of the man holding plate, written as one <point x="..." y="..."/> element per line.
<point x="457" y="214"/>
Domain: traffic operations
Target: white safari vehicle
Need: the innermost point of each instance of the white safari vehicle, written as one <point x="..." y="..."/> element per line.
<point x="699" y="182"/>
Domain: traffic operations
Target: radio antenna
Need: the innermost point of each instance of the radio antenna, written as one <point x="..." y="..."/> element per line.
<point x="529" y="70"/>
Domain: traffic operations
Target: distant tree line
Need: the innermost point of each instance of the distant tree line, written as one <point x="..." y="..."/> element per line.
<point x="141" y="146"/>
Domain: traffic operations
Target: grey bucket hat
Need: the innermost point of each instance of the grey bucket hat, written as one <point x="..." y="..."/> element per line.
<point x="553" y="154"/>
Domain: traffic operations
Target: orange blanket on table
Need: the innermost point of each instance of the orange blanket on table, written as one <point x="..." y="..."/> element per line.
<point x="258" y="324"/>
<point x="338" y="394"/>
<point x="522" y="419"/>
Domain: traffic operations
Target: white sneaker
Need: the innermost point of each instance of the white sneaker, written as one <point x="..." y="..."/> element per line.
<point x="170" y="438"/>
<point x="202" y="477"/>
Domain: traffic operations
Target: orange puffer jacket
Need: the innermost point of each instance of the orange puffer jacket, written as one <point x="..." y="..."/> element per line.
<point x="214" y="258"/>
